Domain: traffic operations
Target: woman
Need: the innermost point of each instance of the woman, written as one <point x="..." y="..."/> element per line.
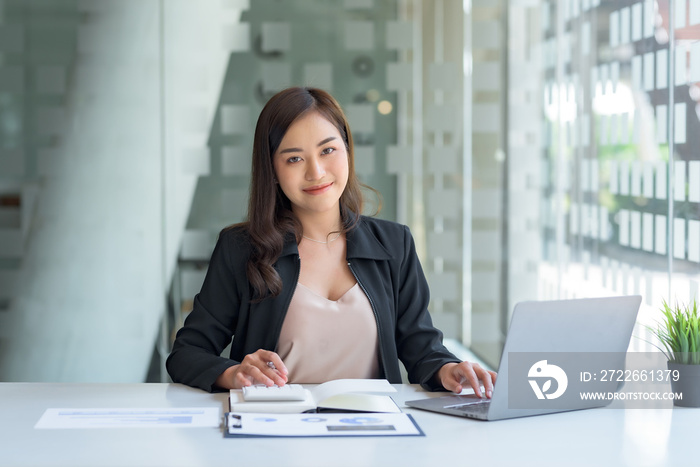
<point x="309" y="289"/>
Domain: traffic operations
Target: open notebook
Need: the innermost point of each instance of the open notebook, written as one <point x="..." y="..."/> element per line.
<point x="341" y="395"/>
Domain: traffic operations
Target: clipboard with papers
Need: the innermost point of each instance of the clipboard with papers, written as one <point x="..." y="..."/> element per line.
<point x="257" y="425"/>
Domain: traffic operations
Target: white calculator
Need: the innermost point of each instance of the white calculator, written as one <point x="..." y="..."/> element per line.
<point x="260" y="392"/>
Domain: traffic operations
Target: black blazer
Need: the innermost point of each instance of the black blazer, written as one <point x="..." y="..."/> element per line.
<point x="381" y="255"/>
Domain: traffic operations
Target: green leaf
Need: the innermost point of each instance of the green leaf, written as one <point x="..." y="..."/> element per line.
<point x="679" y="333"/>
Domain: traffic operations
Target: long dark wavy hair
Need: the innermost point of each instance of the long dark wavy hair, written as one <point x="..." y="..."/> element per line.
<point x="270" y="218"/>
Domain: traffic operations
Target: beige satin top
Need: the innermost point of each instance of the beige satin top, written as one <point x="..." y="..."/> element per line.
<point x="322" y="339"/>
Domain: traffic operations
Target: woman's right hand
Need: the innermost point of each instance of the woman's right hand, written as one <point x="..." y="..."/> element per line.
<point x="260" y="367"/>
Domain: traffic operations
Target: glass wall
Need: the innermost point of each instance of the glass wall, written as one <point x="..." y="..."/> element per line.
<point x="614" y="154"/>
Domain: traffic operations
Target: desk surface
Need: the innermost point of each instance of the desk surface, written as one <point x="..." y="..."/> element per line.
<point x="590" y="437"/>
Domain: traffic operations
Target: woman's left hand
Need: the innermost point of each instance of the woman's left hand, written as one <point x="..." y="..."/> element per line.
<point x="453" y="377"/>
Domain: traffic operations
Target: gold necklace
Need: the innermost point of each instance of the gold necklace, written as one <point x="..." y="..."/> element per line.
<point x="326" y="242"/>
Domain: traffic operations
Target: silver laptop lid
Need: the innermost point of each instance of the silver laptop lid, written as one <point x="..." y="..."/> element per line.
<point x="546" y="338"/>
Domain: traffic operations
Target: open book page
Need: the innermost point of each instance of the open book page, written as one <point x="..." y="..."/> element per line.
<point x="355" y="402"/>
<point x="352" y="395"/>
<point x="342" y="386"/>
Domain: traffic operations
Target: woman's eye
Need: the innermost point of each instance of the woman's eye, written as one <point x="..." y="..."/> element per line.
<point x="327" y="150"/>
<point x="294" y="159"/>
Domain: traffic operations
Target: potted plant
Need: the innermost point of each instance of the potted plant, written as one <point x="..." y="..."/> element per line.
<point x="679" y="333"/>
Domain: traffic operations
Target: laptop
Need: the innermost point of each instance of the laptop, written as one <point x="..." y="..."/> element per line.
<point x="554" y="351"/>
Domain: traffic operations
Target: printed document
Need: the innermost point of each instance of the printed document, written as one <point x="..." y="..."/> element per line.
<point x="176" y="417"/>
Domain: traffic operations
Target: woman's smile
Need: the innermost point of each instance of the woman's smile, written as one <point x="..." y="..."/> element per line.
<point x="318" y="189"/>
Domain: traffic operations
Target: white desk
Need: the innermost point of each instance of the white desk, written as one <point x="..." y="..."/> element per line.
<point x="598" y="437"/>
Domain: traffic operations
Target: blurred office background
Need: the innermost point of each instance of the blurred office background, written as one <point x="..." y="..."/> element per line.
<point x="538" y="149"/>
